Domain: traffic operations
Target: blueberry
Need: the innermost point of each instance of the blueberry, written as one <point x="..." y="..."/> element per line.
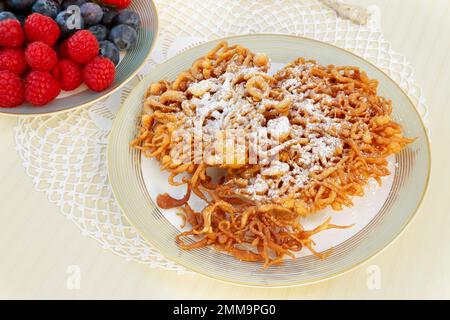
<point x="123" y="36"/>
<point x="69" y="22"/>
<point x="99" y="31"/>
<point x="110" y="51"/>
<point x="128" y="17"/>
<point x="7" y="15"/>
<point x="48" y="8"/>
<point x="20" y="5"/>
<point x="108" y="16"/>
<point x="92" y="13"/>
<point x="68" y="3"/>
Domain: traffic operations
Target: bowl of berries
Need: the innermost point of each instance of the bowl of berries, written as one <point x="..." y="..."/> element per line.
<point x="57" y="55"/>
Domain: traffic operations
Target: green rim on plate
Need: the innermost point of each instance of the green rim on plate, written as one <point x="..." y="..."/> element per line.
<point x="408" y="189"/>
<point x="133" y="60"/>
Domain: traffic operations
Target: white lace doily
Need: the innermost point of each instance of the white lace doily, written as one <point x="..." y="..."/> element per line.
<point x="65" y="154"/>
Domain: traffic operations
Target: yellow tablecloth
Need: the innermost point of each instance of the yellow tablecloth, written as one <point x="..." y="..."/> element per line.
<point x="38" y="246"/>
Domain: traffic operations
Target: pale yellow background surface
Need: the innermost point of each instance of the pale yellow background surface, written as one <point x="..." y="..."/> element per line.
<point x="37" y="244"/>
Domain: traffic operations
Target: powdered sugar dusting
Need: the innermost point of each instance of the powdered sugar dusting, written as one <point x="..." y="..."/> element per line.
<point x="292" y="144"/>
<point x="312" y="145"/>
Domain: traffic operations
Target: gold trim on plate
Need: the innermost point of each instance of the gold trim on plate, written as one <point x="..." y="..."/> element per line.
<point x="113" y="172"/>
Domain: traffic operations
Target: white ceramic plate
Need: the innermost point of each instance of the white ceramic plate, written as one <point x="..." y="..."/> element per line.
<point x="378" y="217"/>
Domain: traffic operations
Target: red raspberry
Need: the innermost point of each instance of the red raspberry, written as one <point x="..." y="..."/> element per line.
<point x="119" y="4"/>
<point x="13" y="60"/>
<point x="11" y="34"/>
<point x="68" y="74"/>
<point x="99" y="74"/>
<point x="40" y="56"/>
<point x="11" y="90"/>
<point x="41" y="28"/>
<point x="41" y="88"/>
<point x="82" y="47"/>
